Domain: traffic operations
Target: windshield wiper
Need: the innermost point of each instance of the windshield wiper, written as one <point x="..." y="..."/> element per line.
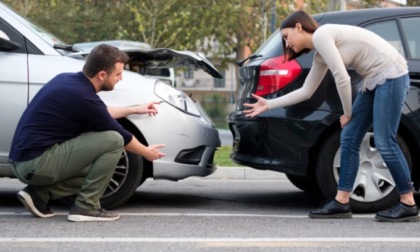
<point x="66" y="47"/>
<point x="253" y="56"/>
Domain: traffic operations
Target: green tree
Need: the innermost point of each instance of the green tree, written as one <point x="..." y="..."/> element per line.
<point x="75" y="21"/>
<point x="218" y="27"/>
<point x="413" y="2"/>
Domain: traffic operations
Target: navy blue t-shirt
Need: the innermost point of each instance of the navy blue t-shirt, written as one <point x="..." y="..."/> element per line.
<point x="64" y="108"/>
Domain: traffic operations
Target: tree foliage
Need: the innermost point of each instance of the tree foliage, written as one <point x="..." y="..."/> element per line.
<point x="218" y="28"/>
<point x="75" y="20"/>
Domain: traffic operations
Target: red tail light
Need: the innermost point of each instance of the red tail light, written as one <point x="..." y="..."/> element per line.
<point x="275" y="75"/>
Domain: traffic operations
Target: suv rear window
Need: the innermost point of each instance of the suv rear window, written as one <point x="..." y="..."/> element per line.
<point x="272" y="47"/>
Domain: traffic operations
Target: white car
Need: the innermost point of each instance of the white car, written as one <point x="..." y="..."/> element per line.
<point x="30" y="57"/>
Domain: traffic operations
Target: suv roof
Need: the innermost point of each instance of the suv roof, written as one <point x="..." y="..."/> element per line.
<point x="356" y="17"/>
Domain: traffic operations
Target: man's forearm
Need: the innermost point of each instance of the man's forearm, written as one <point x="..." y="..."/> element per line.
<point x="136" y="147"/>
<point x="120" y="112"/>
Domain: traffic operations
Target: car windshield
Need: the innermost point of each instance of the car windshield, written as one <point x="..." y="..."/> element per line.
<point x="46" y="36"/>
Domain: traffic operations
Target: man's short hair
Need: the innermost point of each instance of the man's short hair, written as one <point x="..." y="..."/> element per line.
<point x="103" y="58"/>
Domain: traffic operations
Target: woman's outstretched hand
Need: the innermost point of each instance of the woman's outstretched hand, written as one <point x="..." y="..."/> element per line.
<point x="256" y="108"/>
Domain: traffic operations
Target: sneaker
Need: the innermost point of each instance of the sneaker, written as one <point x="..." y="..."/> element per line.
<point x="332" y="209"/>
<point x="33" y="203"/>
<point x="78" y="214"/>
<point x="399" y="213"/>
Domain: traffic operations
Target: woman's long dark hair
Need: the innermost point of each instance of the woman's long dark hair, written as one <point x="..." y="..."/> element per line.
<point x="308" y="24"/>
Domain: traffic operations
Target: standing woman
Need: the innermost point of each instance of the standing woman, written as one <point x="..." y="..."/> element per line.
<point x="378" y="102"/>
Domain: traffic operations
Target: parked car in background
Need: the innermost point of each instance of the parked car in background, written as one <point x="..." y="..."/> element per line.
<point x="30" y="57"/>
<point x="164" y="74"/>
<point x="292" y="139"/>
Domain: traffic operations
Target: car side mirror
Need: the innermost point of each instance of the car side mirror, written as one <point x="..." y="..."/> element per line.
<point x="7" y="45"/>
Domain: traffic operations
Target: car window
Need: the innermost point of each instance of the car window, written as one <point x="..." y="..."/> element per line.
<point x="411" y="31"/>
<point x="158" y="72"/>
<point x="389" y="31"/>
<point x="272" y="47"/>
<point x="166" y="75"/>
<point x="13" y="35"/>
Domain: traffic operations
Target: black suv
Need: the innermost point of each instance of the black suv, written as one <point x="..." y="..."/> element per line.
<point x="292" y="139"/>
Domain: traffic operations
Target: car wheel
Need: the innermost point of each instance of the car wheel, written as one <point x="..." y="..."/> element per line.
<point x="307" y="184"/>
<point x="374" y="188"/>
<point x="127" y="177"/>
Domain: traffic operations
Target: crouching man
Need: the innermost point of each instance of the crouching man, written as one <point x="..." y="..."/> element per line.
<point x="68" y="141"/>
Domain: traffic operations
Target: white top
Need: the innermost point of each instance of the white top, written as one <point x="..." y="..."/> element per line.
<point x="339" y="47"/>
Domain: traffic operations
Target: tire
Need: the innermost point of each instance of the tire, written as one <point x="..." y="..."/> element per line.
<point x="374" y="188"/>
<point x="125" y="181"/>
<point x="307" y="184"/>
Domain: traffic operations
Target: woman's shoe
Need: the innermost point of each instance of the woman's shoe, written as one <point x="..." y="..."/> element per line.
<point x="332" y="209"/>
<point x="399" y="213"/>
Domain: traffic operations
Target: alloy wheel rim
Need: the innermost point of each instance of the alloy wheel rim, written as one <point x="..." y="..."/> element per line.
<point x="373" y="181"/>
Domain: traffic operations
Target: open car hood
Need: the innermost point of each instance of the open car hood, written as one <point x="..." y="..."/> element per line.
<point x="142" y="57"/>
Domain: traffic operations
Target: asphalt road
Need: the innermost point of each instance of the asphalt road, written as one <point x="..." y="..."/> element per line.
<point x="220" y="213"/>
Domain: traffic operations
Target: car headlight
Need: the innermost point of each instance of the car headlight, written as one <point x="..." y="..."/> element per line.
<point x="181" y="101"/>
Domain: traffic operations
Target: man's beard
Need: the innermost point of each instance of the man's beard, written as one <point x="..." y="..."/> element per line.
<point x="107" y="86"/>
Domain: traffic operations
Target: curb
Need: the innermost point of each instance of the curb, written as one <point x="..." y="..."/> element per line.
<point x="245" y="173"/>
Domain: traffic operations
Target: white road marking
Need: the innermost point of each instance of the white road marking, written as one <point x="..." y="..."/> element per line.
<point x="210" y="240"/>
<point x="243" y="241"/>
<point x="199" y="215"/>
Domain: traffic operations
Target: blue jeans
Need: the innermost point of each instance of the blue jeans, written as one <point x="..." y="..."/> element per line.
<point x="381" y="107"/>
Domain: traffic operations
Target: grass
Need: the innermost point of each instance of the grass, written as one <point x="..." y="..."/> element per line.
<point x="221" y="158"/>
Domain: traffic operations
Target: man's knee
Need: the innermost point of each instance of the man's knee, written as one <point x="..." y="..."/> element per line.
<point x="113" y="138"/>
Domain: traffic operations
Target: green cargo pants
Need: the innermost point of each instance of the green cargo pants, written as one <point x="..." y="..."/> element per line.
<point x="82" y="165"/>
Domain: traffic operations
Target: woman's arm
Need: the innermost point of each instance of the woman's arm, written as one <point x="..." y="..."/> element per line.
<point x="325" y="44"/>
<point x="312" y="81"/>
